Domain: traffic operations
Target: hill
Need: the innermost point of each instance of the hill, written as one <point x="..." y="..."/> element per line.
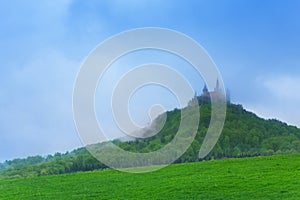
<point x="244" y="135"/>
<point x="269" y="177"/>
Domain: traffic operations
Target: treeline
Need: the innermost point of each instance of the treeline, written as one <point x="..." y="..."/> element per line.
<point x="244" y="135"/>
<point x="77" y="160"/>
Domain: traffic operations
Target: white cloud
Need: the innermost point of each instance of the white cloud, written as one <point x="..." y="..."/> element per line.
<point x="284" y="87"/>
<point x="280" y="100"/>
<point x="36" y="108"/>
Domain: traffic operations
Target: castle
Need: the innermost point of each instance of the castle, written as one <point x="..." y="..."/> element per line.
<point x="206" y="96"/>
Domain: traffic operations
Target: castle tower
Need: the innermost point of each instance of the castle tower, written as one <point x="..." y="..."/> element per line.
<point x="217" y="94"/>
<point x="217" y="88"/>
<point x="205" y="97"/>
<point x="194" y="100"/>
<point x="205" y="90"/>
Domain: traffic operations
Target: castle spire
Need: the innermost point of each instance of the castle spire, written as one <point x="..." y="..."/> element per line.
<point x="205" y="90"/>
<point x="217" y="88"/>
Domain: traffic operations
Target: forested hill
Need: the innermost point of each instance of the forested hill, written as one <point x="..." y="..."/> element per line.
<point x="244" y="135"/>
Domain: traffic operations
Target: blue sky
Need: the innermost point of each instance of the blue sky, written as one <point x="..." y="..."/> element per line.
<point x="255" y="44"/>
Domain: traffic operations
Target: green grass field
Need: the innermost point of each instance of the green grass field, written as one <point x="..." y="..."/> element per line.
<point x="276" y="177"/>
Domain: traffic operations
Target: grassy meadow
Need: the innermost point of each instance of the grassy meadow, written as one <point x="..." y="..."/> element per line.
<point x="273" y="177"/>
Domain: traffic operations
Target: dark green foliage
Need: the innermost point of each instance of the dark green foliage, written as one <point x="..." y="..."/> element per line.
<point x="77" y="160"/>
<point x="244" y="135"/>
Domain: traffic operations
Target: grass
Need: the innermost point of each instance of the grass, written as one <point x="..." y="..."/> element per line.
<point x="275" y="177"/>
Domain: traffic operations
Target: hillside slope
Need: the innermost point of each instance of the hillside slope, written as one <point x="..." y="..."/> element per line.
<point x="269" y="177"/>
<point x="244" y="135"/>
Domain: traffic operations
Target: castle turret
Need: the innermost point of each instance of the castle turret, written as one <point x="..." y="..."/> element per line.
<point x="217" y="95"/>
<point x="217" y="88"/>
<point x="205" y="90"/>
<point x="205" y="97"/>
